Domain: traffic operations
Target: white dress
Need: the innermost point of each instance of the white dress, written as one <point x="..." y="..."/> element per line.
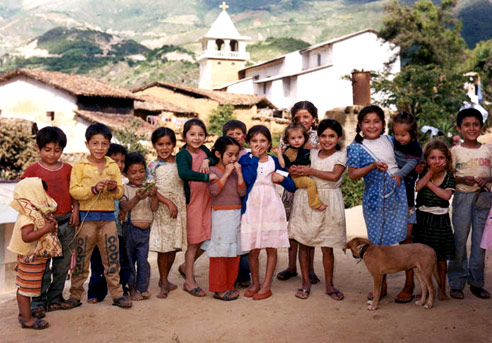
<point x="320" y="228"/>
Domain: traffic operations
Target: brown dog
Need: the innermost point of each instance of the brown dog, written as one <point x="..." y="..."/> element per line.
<point x="381" y="260"/>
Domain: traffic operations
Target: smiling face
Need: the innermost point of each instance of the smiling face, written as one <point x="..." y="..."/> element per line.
<point x="119" y="158"/>
<point x="136" y="174"/>
<point x="164" y="148"/>
<point x="305" y="118"/>
<point x="98" y="146"/>
<point x="371" y="126"/>
<point x="50" y="154"/>
<point x="470" y="129"/>
<point x="329" y="140"/>
<point x="402" y="135"/>
<point x="260" y="143"/>
<point x="237" y="134"/>
<point x="296" y="138"/>
<point x="195" y="137"/>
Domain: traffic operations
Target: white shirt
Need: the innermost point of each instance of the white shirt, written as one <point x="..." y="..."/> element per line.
<point x="383" y="150"/>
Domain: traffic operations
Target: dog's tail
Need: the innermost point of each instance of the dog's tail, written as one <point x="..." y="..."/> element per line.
<point x="435" y="272"/>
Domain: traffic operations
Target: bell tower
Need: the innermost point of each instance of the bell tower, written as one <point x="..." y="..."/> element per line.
<point x="223" y="52"/>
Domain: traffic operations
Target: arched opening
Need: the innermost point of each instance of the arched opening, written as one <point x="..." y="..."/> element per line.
<point x="234" y="45"/>
<point x="219" y="44"/>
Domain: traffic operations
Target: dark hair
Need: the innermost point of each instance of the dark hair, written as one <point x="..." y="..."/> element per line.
<point x="253" y="131"/>
<point x="366" y="110"/>
<point x="469" y="112"/>
<point x="116" y="149"/>
<point x="190" y="123"/>
<point x="45" y="185"/>
<point x="221" y="145"/>
<point x="305" y="105"/>
<point x="133" y="158"/>
<point x="333" y="125"/>
<point x="294" y="126"/>
<point x="98" y="129"/>
<point x="441" y="146"/>
<point x="232" y="125"/>
<point x="408" y="119"/>
<point x="51" y="134"/>
<point x="161" y="132"/>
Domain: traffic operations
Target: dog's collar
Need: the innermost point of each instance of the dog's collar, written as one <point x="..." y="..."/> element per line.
<point x="363" y="250"/>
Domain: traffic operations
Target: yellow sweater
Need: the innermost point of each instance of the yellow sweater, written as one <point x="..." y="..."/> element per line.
<point x="85" y="175"/>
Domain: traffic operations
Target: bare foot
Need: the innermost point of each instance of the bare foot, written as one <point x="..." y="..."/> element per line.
<point x="163" y="293"/>
<point x="171" y="286"/>
<point x="136" y="296"/>
<point x="441" y="295"/>
<point x="322" y="207"/>
<point x="92" y="301"/>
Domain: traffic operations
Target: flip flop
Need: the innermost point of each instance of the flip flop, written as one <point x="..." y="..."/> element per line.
<point x="403" y="298"/>
<point x="227" y="296"/>
<point x="39" y="324"/>
<point x="122" y="302"/>
<point x="313" y="278"/>
<point x="54" y="307"/>
<point x="336" y="295"/>
<point x="35" y="315"/>
<point x="479" y="292"/>
<point x="456" y="293"/>
<point x="286" y="275"/>
<point x="70" y="304"/>
<point x="196" y="292"/>
<point x="302" y="293"/>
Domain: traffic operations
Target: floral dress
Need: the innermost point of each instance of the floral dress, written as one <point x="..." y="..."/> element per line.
<point x="168" y="234"/>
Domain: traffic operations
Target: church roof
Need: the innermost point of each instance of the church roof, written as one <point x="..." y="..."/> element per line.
<point x="224" y="28"/>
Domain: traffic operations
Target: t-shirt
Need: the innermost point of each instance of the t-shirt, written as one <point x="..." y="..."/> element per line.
<point x="142" y="212"/>
<point x="58" y="182"/>
<point x="17" y="245"/>
<point x="384" y="151"/>
<point x="228" y="196"/>
<point x="471" y="162"/>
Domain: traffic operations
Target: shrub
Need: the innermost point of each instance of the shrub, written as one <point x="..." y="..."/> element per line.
<point x="352" y="191"/>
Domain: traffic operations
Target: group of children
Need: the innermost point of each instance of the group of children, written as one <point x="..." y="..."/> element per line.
<point x="225" y="202"/>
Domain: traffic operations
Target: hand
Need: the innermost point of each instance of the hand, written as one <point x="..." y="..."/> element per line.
<point x="100" y="185"/>
<point x="205" y="167"/>
<point x="50" y="225"/>
<point x="111" y="185"/>
<point x="239" y="169"/>
<point x="481" y="181"/>
<point x="255" y="150"/>
<point x="173" y="210"/>
<point x="420" y="168"/>
<point x="277" y="150"/>
<point x="141" y="196"/>
<point x="121" y="215"/>
<point x="229" y="169"/>
<point x="381" y="166"/>
<point x="277" y="178"/>
<point x="397" y="179"/>
<point x="153" y="192"/>
<point x="303" y="170"/>
<point x="468" y="180"/>
<point x="293" y="171"/>
<point x="438" y="168"/>
<point x="74" y="218"/>
<point x="213" y="177"/>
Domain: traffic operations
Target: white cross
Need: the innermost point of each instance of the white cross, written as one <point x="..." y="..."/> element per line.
<point x="224" y="6"/>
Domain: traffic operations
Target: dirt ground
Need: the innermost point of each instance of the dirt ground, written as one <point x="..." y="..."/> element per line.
<point x="281" y="318"/>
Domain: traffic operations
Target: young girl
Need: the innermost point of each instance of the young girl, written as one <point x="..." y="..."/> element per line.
<point x="168" y="230"/>
<point x="306" y="114"/>
<point x="139" y="205"/>
<point x="224" y="248"/>
<point x="193" y="161"/>
<point x="384" y="202"/>
<point x="263" y="224"/>
<point x="321" y="229"/>
<point x="435" y="189"/>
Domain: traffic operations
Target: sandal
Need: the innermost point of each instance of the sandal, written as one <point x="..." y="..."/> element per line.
<point x="38" y="312"/>
<point x="70" y="304"/>
<point x="122" y="302"/>
<point x="243" y="284"/>
<point x="456" y="293"/>
<point x="336" y="295"/>
<point x="92" y="301"/>
<point x="181" y="272"/>
<point x="403" y="298"/>
<point x="38" y="315"/>
<point x="313" y="278"/>
<point x="303" y="293"/>
<point x="39" y="324"/>
<point x="227" y="296"/>
<point x="286" y="275"/>
<point x="54" y="307"/>
<point x="479" y="292"/>
<point x="196" y="292"/>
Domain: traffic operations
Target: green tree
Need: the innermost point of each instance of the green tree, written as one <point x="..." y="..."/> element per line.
<point x="481" y="61"/>
<point x="432" y="51"/>
<point x="130" y="137"/>
<point x="219" y="117"/>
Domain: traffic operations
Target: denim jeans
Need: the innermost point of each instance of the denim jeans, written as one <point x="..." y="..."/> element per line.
<point x="470" y="210"/>
<point x="57" y="268"/>
<point x="137" y="248"/>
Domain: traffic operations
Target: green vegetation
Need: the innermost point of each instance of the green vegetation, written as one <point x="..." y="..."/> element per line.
<point x="273" y="47"/>
<point x="353" y="191"/>
<point x="218" y="117"/>
<point x="131" y="139"/>
<point x="481" y="61"/>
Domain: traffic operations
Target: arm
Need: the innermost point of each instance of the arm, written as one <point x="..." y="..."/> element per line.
<point x="217" y="186"/>
<point x="280" y="156"/>
<point x="78" y="190"/>
<point x="185" y="172"/>
<point x="173" y="209"/>
<point x="444" y="194"/>
<point x="30" y="235"/>
<point x="408" y="167"/>
<point x="249" y="168"/>
<point x="241" y="185"/>
<point x="333" y="175"/>
<point x="285" y="182"/>
<point x="422" y="182"/>
<point x="154" y="201"/>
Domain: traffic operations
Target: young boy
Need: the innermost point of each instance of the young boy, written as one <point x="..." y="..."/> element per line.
<point x="50" y="142"/>
<point x="139" y="203"/>
<point x="31" y="225"/>
<point x="237" y="130"/>
<point x="96" y="184"/>
<point x="98" y="288"/>
<point x="471" y="205"/>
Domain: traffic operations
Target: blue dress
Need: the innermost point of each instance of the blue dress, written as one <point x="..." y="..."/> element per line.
<point x="383" y="200"/>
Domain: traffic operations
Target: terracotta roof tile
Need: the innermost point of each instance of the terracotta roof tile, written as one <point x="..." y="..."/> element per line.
<point x="115" y="121"/>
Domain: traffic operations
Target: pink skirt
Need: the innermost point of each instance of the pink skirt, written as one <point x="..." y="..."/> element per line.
<point x="487" y="233"/>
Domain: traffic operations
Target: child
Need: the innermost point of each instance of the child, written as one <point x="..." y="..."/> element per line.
<point x="306" y="114"/>
<point x="407" y="154"/>
<point x="433" y="227"/>
<point x="193" y="167"/>
<point x="263" y="224"/>
<point x="98" y="287"/>
<point x="50" y="142"/>
<point x="224" y="247"/>
<point x="138" y="203"/>
<point x="384" y="202"/>
<point x="96" y="183"/>
<point x="295" y="136"/>
<point x="237" y="130"/>
<point x="471" y="204"/>
<point x="168" y="230"/>
<point x="35" y="219"/>
<point x="321" y="229"/>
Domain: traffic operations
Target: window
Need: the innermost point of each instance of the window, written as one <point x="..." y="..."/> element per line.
<point x="233" y="45"/>
<point x="319" y="59"/>
<point x="51" y="115"/>
<point x="219" y="44"/>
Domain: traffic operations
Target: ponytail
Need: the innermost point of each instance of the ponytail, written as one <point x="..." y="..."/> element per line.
<point x="358" y="138"/>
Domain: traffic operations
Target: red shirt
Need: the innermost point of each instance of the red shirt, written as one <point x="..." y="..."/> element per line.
<point x="58" y="182"/>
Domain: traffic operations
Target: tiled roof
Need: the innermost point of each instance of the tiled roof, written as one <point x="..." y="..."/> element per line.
<point x="116" y="121"/>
